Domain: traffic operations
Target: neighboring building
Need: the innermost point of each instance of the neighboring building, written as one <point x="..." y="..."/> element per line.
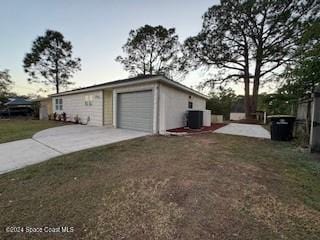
<point x="148" y="103"/>
<point x="17" y="106"/>
<point x="17" y="102"/>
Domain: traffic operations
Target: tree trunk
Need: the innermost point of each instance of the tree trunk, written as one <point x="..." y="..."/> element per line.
<point x="57" y="77"/>
<point x="57" y="87"/>
<point x="255" y="94"/>
<point x="150" y="64"/>
<point x="255" y="89"/>
<point x="56" y="60"/>
<point x="257" y="73"/>
<point x="256" y="79"/>
<point x="247" y="100"/>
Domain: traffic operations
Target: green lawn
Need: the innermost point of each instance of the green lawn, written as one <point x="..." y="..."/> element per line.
<point x="206" y="186"/>
<point x="11" y="130"/>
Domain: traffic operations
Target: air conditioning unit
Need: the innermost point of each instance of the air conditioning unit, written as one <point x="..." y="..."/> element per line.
<point x="195" y="119"/>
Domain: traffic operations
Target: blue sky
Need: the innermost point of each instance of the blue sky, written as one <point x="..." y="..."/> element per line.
<point x="96" y="28"/>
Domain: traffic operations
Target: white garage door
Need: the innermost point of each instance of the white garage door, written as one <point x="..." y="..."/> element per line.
<point x="135" y="110"/>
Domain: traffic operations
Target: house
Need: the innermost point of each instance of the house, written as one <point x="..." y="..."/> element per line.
<point x="45" y="107"/>
<point x="17" y="106"/>
<point x="18" y="102"/>
<point x="151" y="103"/>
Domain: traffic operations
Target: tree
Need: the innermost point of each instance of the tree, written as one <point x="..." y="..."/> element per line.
<point x="303" y="77"/>
<point x="151" y="50"/>
<point x="248" y="41"/>
<point x="220" y="102"/>
<point x="50" y="60"/>
<point x="5" y="82"/>
<point x="276" y="103"/>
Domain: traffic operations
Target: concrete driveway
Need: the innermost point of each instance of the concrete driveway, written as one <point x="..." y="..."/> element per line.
<point x="57" y="141"/>
<point x="248" y="130"/>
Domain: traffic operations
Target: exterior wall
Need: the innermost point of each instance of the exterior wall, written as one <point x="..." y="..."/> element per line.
<point x="170" y="105"/>
<point x="237" y="116"/>
<point x="135" y="88"/>
<point x="216" y="118"/>
<point x="315" y="124"/>
<point x="207" y="118"/>
<point x="107" y="107"/>
<point x="74" y="105"/>
<point x="45" y="108"/>
<point x="173" y="105"/>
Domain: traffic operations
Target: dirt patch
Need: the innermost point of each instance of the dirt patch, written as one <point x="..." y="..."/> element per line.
<point x="214" y="126"/>
<point x="279" y="216"/>
<point x="202" y="186"/>
<point x="135" y="210"/>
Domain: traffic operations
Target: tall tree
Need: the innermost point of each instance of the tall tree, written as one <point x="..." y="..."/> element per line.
<point x="248" y="40"/>
<point x="276" y="103"/>
<point x="151" y="50"/>
<point x="5" y="82"/>
<point x="50" y="60"/>
<point x="220" y="102"/>
<point x="303" y="77"/>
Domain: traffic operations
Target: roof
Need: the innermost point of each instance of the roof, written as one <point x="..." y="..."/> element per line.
<point x="133" y="80"/>
<point x="18" y="101"/>
<point x="40" y="99"/>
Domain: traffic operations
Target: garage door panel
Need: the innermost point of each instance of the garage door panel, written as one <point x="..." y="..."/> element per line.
<point x="135" y="110"/>
<point x="143" y="110"/>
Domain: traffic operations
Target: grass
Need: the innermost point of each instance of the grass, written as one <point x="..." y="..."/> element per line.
<point x="17" y="129"/>
<point x="206" y="186"/>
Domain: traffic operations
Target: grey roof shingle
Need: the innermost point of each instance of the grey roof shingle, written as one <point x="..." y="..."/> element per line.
<point x="18" y="101"/>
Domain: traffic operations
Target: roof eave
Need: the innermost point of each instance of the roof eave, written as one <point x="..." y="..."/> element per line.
<point x="146" y="80"/>
<point x="105" y="86"/>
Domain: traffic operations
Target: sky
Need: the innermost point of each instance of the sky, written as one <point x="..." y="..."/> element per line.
<point x="97" y="30"/>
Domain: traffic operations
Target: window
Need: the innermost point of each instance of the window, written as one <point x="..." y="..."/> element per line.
<point x="190" y="105"/>
<point x="59" y="104"/>
<point x="88" y="100"/>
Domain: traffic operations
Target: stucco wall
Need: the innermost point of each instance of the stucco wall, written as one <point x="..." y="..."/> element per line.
<point x="108" y="114"/>
<point x="237" y="116"/>
<point x="75" y="105"/>
<point x="45" y="108"/>
<point x="174" y="105"/>
<point x="170" y="105"/>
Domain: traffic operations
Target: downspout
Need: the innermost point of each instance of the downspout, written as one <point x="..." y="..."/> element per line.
<point x="103" y="110"/>
<point x="158" y="107"/>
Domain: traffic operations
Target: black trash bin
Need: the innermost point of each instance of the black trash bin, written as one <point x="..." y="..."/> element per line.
<point x="195" y="119"/>
<point x="282" y="127"/>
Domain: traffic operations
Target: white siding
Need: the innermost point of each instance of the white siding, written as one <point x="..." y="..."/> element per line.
<point x="174" y="105"/>
<point x="75" y="105"/>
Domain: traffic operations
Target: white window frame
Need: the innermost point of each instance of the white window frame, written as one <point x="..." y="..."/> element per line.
<point x="88" y="100"/>
<point x="59" y="104"/>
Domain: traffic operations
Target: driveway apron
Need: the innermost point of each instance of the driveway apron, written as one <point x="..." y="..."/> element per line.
<point x="247" y="130"/>
<point x="57" y="141"/>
